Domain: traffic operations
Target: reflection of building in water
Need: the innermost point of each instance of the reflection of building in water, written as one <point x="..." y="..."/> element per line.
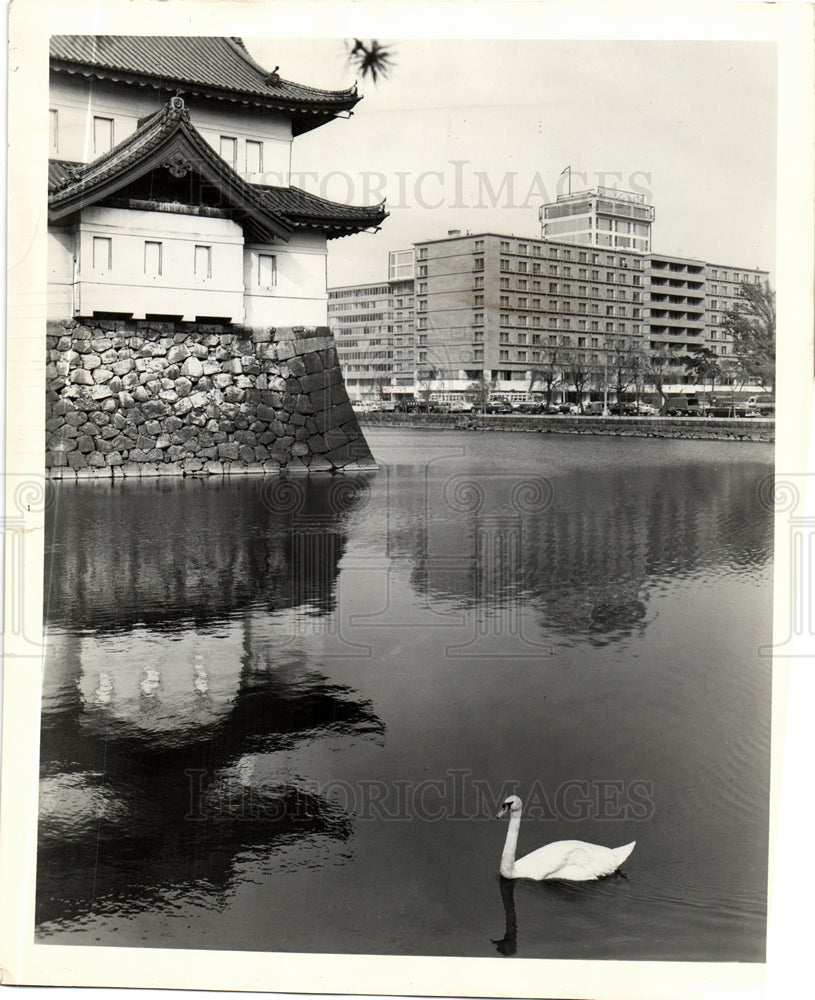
<point x="172" y="683"/>
<point x="586" y="559"/>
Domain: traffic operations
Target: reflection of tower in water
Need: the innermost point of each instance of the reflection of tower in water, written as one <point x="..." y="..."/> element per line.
<point x="165" y="723"/>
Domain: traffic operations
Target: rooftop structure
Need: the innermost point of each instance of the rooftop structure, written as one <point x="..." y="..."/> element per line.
<point x="602" y="217"/>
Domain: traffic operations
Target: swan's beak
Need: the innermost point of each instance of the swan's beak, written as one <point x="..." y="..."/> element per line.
<point x="501" y="812"/>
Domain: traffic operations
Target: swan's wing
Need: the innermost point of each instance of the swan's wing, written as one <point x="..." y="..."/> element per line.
<point x="568" y="859"/>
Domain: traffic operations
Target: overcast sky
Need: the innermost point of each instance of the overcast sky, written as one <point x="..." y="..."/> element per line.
<point x="474" y="135"/>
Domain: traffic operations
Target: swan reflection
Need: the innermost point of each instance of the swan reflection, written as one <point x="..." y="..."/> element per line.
<point x="508" y="944"/>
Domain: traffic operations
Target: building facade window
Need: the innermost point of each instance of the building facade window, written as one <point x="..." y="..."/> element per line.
<point x="229" y="150"/>
<point x="254" y="157"/>
<point x="53" y="130"/>
<point x="102" y="253"/>
<point x="102" y="135"/>
<point x="202" y="264"/>
<point x="267" y="270"/>
<point x="153" y="253"/>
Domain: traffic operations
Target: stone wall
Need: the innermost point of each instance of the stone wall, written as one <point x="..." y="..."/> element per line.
<point x="145" y="398"/>
<point x="698" y="428"/>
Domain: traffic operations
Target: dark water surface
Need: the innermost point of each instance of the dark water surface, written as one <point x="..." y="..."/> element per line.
<point x="280" y="715"/>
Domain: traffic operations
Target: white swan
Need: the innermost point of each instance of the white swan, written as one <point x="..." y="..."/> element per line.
<point x="567" y="859"/>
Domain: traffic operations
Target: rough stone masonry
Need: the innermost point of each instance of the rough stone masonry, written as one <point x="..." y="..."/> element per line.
<point x="147" y="398"/>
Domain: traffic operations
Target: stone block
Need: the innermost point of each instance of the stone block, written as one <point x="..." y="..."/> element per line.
<point x="317" y="444"/>
<point x="156" y="408"/>
<point x="177" y="354"/>
<point x="228" y="452"/>
<point x="246" y="453"/>
<point x="296" y="464"/>
<point x="96" y="460"/>
<point x="101" y="375"/>
<point x="80" y="376"/>
<point x="313" y="363"/>
<point x="232" y="394"/>
<point x="114" y="458"/>
<point x="103" y="446"/>
<point x="140" y="395"/>
<point x="192" y="368"/>
<point x="233" y="366"/>
<point x="319" y="463"/>
<point x="182" y="406"/>
<point x="214" y="468"/>
<point x="109" y="357"/>
<point x="198" y="400"/>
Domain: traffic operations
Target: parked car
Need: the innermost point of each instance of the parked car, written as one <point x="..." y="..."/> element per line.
<point x="643" y="410"/>
<point x="732" y="410"/>
<point x="461" y="406"/>
<point x="763" y="404"/>
<point x="686" y="406"/>
<point x="531" y="408"/>
<point x="595" y="408"/>
<point x="498" y="406"/>
<point x="571" y="408"/>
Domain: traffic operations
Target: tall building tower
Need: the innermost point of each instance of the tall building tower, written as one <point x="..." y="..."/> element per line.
<point x="603" y="217"/>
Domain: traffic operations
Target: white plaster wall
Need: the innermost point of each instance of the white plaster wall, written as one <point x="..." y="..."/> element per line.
<point x="76" y="101"/>
<point x="60" y="273"/>
<point x="299" y="298"/>
<point x="176" y="291"/>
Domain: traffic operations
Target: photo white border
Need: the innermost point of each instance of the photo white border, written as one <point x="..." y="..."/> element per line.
<point x="31" y="23"/>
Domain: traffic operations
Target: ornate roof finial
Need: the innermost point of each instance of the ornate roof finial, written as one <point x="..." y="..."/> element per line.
<point x="273" y="77"/>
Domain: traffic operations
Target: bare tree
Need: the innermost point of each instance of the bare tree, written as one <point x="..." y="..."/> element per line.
<point x="580" y="373"/>
<point x="620" y="367"/>
<point x="658" y="363"/>
<point x="549" y="372"/>
<point x="425" y="376"/>
<point x="479" y="391"/>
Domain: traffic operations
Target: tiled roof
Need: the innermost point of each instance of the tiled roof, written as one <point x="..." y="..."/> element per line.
<point x="213" y="67"/>
<point x="167" y="137"/>
<point x="299" y="208"/>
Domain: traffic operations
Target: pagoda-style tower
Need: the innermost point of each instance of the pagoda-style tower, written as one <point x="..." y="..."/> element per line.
<point x="187" y="291"/>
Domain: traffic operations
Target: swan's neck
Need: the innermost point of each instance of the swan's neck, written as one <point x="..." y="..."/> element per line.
<point x="508" y="857"/>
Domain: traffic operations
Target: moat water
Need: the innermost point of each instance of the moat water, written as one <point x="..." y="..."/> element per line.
<point x="280" y="714"/>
